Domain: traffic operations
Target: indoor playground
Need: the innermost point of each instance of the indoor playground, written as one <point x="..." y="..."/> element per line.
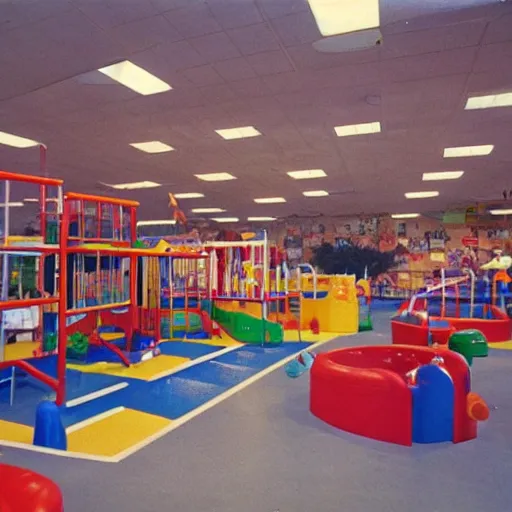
<point x="255" y="255"/>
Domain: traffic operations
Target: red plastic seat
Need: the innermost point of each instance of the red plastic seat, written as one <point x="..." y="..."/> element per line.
<point x="22" y="490"/>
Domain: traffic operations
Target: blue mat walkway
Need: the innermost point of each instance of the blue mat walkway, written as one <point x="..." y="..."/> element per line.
<point x="169" y="397"/>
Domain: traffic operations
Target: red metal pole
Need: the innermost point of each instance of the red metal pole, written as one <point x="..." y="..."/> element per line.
<point x="63" y="304"/>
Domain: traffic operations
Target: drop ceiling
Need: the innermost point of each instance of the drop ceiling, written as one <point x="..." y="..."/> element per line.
<point x="251" y="63"/>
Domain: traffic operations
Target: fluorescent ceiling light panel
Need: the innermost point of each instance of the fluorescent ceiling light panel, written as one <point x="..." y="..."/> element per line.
<point x="216" y="176"/>
<point x="405" y="215"/>
<point x="501" y="212"/>
<point x="344" y="16"/>
<point x="315" y="193"/>
<point x="31" y="200"/>
<point x="440" y="176"/>
<point x="154" y="146"/>
<point x="164" y="222"/>
<point x="270" y="200"/>
<point x="307" y="175"/>
<point x="243" y="132"/>
<point x="134" y="186"/>
<point x="491" y="101"/>
<point x="189" y="195"/>
<point x="357" y="129"/>
<point x="260" y="219"/>
<point x="16" y="204"/>
<point x="225" y="219"/>
<point x="468" y="151"/>
<point x="16" y="142"/>
<point x="421" y="195"/>
<point x="207" y="210"/>
<point x="135" y="78"/>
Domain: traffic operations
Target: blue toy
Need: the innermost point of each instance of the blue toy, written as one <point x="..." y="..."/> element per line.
<point x="300" y="365"/>
<point x="49" y="431"/>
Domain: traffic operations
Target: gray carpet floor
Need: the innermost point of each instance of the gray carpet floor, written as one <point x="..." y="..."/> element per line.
<point x="262" y="451"/>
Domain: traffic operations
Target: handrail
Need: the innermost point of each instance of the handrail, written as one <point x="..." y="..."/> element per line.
<point x="24" y="178"/>
<point x="37" y="374"/>
<point x="74" y="196"/>
<point x="313" y="273"/>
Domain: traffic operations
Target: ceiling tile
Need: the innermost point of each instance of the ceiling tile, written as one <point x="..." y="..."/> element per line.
<point x="215" y="47"/>
<point x="269" y="63"/>
<point x="235" y="13"/>
<point x="203" y="75"/>
<point x="115" y="12"/>
<point x="254" y="39"/>
<point x="297" y="29"/>
<point x="179" y="55"/>
<point x="235" y="69"/>
<point x="141" y="34"/>
<point x="274" y="9"/>
<point x="499" y="30"/>
<point x="193" y="21"/>
<point x="492" y="56"/>
<point x="434" y="40"/>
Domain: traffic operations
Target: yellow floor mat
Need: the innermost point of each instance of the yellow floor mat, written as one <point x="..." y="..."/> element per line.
<point x="110" y="336"/>
<point x="144" y="370"/>
<point x="225" y="341"/>
<point x="113" y="434"/>
<point x="20" y="350"/>
<point x="505" y="345"/>
<point x="293" y="335"/>
<point x="16" y="432"/>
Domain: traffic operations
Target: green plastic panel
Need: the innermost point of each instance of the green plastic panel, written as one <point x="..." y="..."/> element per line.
<point x="246" y="328"/>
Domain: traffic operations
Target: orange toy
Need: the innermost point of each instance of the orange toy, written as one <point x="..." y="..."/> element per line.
<point x="477" y="409"/>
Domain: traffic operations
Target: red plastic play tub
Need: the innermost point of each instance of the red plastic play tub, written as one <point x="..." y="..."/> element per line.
<point x="22" y="490"/>
<point x="365" y="391"/>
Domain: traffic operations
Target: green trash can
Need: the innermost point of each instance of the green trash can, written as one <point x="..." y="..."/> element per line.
<point x="469" y="343"/>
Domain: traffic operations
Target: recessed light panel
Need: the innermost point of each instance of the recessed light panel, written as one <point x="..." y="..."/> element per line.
<point x="154" y="146"/>
<point x="357" y="129"/>
<point x="270" y="200"/>
<point x="243" y="132"/>
<point x="405" y="215"/>
<point x="307" y="174"/>
<point x="421" y="195"/>
<point x="260" y="219"/>
<point x="501" y="212"/>
<point x="207" y="210"/>
<point x="137" y="185"/>
<point x="467" y="151"/>
<point x="315" y="193"/>
<point x="189" y="195"/>
<point x="135" y="78"/>
<point x="15" y="204"/>
<point x="225" y="219"/>
<point x="491" y="101"/>
<point x="440" y="176"/>
<point x="31" y="200"/>
<point x="216" y="176"/>
<point x="16" y="142"/>
<point x="344" y="16"/>
<point x="163" y="222"/>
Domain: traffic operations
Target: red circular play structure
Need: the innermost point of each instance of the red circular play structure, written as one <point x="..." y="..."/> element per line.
<point x="395" y="394"/>
<point x="412" y="328"/>
<point x="26" y="491"/>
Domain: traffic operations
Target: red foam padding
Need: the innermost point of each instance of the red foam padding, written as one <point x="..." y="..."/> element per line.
<point x="26" y="491"/>
<point x="374" y="403"/>
<point x="364" y="390"/>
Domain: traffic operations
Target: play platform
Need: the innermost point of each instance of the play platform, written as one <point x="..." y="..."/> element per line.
<point x="112" y="411"/>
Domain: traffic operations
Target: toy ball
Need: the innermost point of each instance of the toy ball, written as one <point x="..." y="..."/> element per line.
<point x="156" y="351"/>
